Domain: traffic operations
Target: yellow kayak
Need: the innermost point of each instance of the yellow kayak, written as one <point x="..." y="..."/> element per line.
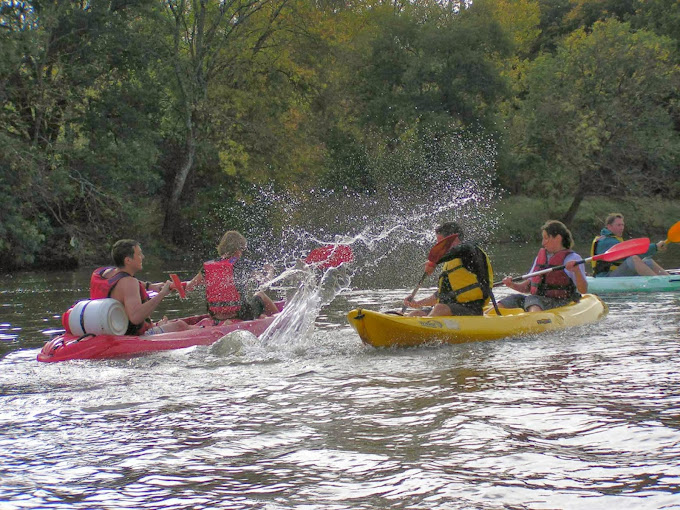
<point x="391" y="330"/>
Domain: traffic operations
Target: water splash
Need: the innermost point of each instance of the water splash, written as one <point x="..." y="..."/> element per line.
<point x="295" y="324"/>
<point x="390" y="228"/>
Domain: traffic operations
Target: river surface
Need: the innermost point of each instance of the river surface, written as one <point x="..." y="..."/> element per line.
<point x="586" y="418"/>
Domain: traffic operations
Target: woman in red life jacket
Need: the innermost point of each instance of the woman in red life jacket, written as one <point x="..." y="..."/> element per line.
<point x="556" y="288"/>
<point x="227" y="280"/>
<point x="119" y="283"/>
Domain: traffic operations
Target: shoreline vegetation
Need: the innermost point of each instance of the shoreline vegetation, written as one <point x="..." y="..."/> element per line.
<point x="519" y="219"/>
<point x="645" y="217"/>
<point x="156" y="121"/>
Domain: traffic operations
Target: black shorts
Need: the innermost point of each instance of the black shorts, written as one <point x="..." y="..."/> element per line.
<point x="472" y="308"/>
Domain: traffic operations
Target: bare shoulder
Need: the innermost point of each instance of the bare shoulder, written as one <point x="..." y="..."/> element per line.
<point x="126" y="288"/>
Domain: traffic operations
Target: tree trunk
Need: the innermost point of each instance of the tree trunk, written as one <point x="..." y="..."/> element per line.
<point x="581" y="192"/>
<point x="172" y="206"/>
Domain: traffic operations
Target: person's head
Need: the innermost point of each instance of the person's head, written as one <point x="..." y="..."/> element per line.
<point x="126" y="248"/>
<point x="615" y="224"/>
<point x="231" y="243"/>
<point x="449" y="228"/>
<point x="556" y="236"/>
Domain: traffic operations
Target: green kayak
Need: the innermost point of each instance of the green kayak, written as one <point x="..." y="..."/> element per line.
<point x="609" y="284"/>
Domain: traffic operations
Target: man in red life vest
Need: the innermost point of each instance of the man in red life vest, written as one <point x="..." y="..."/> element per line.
<point x="119" y="283"/>
<point x="556" y="288"/>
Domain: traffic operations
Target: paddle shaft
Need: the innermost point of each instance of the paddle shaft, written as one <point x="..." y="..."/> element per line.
<point x="543" y="271"/>
<point x="616" y="252"/>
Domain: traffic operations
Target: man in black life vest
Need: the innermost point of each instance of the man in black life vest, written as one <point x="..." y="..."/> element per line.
<point x="464" y="286"/>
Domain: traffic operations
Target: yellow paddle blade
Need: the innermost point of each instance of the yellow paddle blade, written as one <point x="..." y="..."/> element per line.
<point x="673" y="234"/>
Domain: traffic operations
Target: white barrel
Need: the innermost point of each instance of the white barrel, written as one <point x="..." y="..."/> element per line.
<point x="98" y="317"/>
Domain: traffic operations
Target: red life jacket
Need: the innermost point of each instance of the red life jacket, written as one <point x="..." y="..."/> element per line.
<point x="555" y="284"/>
<point x="101" y="287"/>
<point x="224" y="300"/>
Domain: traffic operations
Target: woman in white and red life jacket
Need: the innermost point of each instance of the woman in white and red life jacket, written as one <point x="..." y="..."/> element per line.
<point x="119" y="283"/>
<point x="555" y="288"/>
<point x="226" y="281"/>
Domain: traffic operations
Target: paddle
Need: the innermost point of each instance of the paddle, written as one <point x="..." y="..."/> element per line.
<point x="178" y="286"/>
<point x="323" y="258"/>
<point x="616" y="252"/>
<point x="329" y="256"/>
<point x="673" y="234"/>
<point x="436" y="253"/>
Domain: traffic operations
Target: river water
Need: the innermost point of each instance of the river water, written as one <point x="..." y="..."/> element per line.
<point x="585" y="418"/>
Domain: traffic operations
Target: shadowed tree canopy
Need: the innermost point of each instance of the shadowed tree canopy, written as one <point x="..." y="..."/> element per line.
<point x="597" y="119"/>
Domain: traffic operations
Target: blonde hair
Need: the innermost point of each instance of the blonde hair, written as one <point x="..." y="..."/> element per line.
<point x="230" y="243"/>
<point x="612" y="218"/>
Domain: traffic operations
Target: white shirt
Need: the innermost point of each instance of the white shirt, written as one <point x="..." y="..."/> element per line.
<point x="572" y="256"/>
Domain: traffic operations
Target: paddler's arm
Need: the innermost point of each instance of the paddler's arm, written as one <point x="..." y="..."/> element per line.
<point x="127" y="291"/>
<point x="454" y="253"/>
<point x="419" y="303"/>
<point x="654" y="248"/>
<point x="195" y="281"/>
<point x="574" y="268"/>
<point x="523" y="286"/>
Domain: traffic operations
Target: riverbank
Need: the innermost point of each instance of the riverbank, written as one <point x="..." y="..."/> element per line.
<point x="521" y="217"/>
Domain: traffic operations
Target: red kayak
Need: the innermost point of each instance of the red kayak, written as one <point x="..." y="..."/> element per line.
<point x="67" y="346"/>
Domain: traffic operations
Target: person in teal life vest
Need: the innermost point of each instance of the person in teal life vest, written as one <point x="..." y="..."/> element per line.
<point x="229" y="280"/>
<point x="556" y="288"/>
<point x="119" y="283"/>
<point x="612" y="234"/>
<point x="464" y="286"/>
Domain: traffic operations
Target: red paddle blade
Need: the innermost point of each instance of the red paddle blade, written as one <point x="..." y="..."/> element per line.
<point x="624" y="249"/>
<point x="178" y="285"/>
<point x="330" y="256"/>
<point x="440" y="249"/>
<point x="673" y="234"/>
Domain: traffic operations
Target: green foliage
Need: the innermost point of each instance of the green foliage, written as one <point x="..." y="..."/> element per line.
<point x="660" y="16"/>
<point x="433" y="71"/>
<point x="522" y="216"/>
<point x="596" y="116"/>
<point x="118" y="119"/>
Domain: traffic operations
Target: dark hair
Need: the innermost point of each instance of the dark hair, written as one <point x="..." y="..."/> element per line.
<point x="449" y="228"/>
<point x="554" y="227"/>
<point x="121" y="249"/>
<point x="612" y="218"/>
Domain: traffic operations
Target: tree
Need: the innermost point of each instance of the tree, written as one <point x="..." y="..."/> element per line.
<point x="596" y="118"/>
<point x="433" y="66"/>
<point x="72" y="122"/>
<point x="210" y="42"/>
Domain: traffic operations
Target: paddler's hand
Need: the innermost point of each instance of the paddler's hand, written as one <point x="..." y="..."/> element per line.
<point x="507" y="281"/>
<point x="661" y="246"/>
<point x="165" y="290"/>
<point x="429" y="267"/>
<point x="570" y="266"/>
<point x="409" y="302"/>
